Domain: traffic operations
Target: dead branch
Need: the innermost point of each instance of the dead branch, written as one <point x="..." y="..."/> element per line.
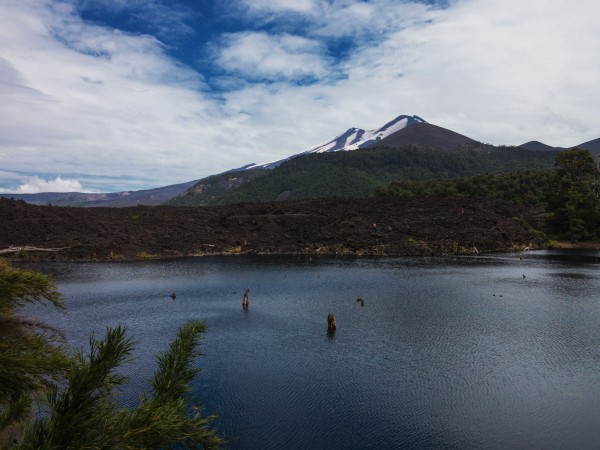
<point x="29" y="248"/>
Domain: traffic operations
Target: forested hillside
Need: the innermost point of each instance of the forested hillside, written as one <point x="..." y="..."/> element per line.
<point x="357" y="173"/>
<point x="569" y="194"/>
<point x="528" y="188"/>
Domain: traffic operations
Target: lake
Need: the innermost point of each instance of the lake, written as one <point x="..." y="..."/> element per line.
<point x="489" y="352"/>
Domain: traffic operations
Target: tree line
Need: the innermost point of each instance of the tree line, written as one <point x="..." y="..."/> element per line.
<point x="569" y="192"/>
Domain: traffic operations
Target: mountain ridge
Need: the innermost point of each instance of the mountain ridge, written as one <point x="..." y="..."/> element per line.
<point x="593" y="146"/>
<point x="155" y="196"/>
<point x="404" y="131"/>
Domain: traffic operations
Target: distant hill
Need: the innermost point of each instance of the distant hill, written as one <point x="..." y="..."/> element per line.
<point x="155" y="196"/>
<point x="210" y="190"/>
<point x="593" y="146"/>
<point x="538" y="146"/>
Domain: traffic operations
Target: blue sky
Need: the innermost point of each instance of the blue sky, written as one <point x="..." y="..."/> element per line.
<point x="110" y="95"/>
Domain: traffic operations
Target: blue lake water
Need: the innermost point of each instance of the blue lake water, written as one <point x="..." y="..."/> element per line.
<point x="446" y="353"/>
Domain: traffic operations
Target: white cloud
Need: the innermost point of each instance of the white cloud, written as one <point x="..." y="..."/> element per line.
<point x="501" y="72"/>
<point x="79" y="98"/>
<point x="504" y="72"/>
<point x="36" y="184"/>
<point x="280" y="6"/>
<point x="258" y="55"/>
<point x="342" y="18"/>
<point x="143" y="112"/>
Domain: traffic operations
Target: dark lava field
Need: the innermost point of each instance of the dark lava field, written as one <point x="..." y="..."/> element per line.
<point x="332" y="226"/>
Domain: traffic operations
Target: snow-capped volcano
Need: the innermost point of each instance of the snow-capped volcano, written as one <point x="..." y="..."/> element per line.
<point x="351" y="139"/>
<point x="355" y="138"/>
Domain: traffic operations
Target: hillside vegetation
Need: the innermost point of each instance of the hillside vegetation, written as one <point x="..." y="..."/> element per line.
<point x="209" y="190"/>
<point x="569" y="193"/>
<point x="357" y="173"/>
<point x="528" y="188"/>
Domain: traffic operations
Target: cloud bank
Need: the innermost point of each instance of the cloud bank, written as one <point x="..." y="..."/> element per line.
<point x="36" y="185"/>
<point x="81" y="97"/>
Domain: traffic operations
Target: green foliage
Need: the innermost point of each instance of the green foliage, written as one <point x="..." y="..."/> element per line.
<point x="77" y="411"/>
<point x="523" y="188"/>
<point x="82" y="409"/>
<point x="357" y="173"/>
<point x="84" y="413"/>
<point x="31" y="355"/>
<point x="574" y="200"/>
<point x="20" y="287"/>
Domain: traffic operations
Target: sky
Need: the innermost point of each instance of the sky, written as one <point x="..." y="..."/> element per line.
<point x="115" y="95"/>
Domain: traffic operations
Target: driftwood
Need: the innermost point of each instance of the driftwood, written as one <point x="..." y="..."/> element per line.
<point x="29" y="248"/>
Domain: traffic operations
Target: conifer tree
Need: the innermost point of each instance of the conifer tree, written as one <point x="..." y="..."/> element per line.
<point x="84" y="414"/>
<point x="31" y="353"/>
<point x="80" y="391"/>
<point x="573" y="200"/>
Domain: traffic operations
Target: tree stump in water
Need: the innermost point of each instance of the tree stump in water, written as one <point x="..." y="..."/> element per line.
<point x="331" y="325"/>
<point x="245" y="301"/>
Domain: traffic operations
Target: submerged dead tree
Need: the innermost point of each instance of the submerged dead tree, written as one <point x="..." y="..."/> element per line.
<point x="331" y="325"/>
<point x="245" y="301"/>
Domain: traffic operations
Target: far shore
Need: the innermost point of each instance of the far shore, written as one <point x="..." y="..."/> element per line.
<point x="325" y="227"/>
<point x="576" y="245"/>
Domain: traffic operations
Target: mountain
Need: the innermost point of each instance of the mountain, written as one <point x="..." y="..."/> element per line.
<point x="357" y="173"/>
<point x="155" y="196"/>
<point x="403" y="130"/>
<point x="292" y="182"/>
<point x="593" y="146"/>
<point x="353" y="163"/>
<point x="353" y="139"/>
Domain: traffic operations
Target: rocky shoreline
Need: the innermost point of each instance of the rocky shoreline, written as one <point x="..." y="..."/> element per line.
<point x="328" y="227"/>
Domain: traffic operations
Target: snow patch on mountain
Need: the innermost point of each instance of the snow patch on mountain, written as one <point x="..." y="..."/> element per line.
<point x="340" y="142"/>
<point x="356" y="138"/>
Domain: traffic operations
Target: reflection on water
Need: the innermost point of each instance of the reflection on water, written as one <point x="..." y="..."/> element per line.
<point x="445" y="353"/>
